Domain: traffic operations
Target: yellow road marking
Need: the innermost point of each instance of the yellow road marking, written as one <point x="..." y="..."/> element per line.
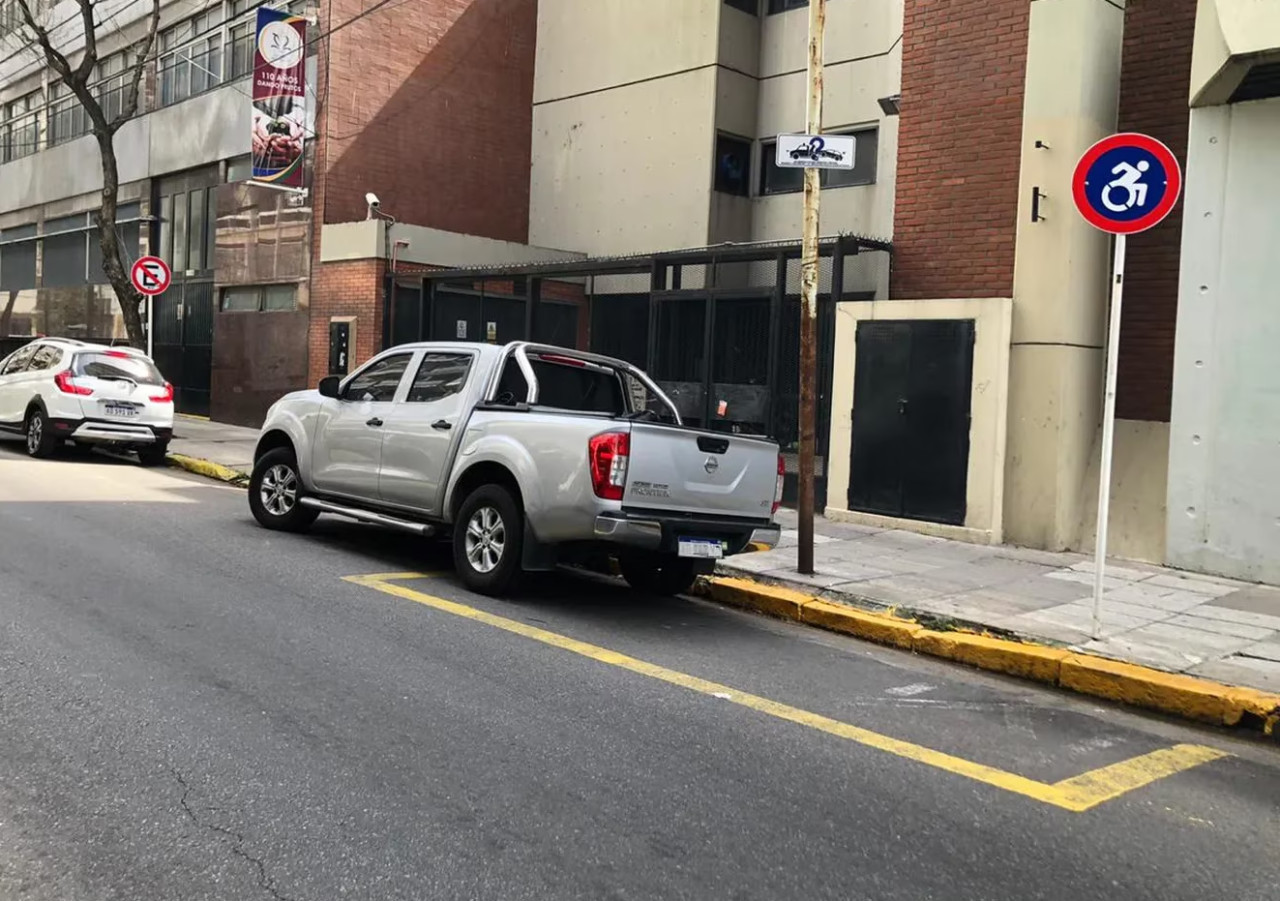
<point x="1077" y="794"/>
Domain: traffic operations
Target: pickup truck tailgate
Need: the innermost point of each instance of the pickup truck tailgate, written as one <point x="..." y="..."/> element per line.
<point x="686" y="471"/>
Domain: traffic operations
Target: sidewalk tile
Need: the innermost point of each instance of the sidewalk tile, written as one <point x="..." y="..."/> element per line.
<point x="1213" y="610"/>
<point x="1128" y="574"/>
<point x="1048" y="592"/>
<point x="849" y="571"/>
<point x="1147" y="653"/>
<point x="986" y="604"/>
<point x="899" y="590"/>
<point x="1069" y="575"/>
<point x="1198" y="586"/>
<point x="1266" y="650"/>
<point x="1221" y="627"/>
<point x="1253" y="599"/>
<point x="1171" y="600"/>
<point x="1046" y="630"/>
<point x="1236" y="670"/>
<point x="1054" y="559"/>
<point x="1191" y="643"/>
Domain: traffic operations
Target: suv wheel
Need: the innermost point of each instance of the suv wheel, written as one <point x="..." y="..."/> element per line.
<point x="666" y="575"/>
<point x="488" y="540"/>
<point x="40" y="439"/>
<point x="275" y="490"/>
<point x="154" y="454"/>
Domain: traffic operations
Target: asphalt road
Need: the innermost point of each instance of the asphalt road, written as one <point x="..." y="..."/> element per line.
<point x="193" y="708"/>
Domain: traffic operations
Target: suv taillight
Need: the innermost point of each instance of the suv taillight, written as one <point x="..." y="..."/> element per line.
<point x="782" y="481"/>
<point x="165" y="396"/>
<point x="608" y="454"/>
<point x="67" y="385"/>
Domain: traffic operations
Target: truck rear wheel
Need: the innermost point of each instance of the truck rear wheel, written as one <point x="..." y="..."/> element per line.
<point x="658" y="575"/>
<point x="488" y="540"/>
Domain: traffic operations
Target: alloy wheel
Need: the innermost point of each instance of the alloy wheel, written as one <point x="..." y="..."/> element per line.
<point x="486" y="539"/>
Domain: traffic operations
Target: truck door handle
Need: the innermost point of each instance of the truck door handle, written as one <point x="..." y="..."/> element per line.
<point x="442" y="425"/>
<point x="374" y="423"/>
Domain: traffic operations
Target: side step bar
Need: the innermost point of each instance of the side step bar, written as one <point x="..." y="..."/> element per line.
<point x="381" y="519"/>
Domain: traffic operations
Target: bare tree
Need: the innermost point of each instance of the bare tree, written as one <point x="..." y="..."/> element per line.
<point x="78" y="79"/>
<point x="6" y="318"/>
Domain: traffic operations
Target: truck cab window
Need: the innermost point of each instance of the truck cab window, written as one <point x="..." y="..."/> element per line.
<point x="379" y="381"/>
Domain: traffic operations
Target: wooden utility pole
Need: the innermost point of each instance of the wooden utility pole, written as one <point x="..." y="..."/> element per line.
<point x="809" y="292"/>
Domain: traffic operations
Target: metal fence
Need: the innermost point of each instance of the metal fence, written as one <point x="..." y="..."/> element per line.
<point x="718" y="328"/>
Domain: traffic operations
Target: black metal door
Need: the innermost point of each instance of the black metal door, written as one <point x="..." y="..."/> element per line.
<point x="183" y="343"/>
<point x="557" y="324"/>
<point x="911" y="414"/>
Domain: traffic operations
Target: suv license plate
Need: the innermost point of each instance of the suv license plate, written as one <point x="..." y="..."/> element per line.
<point x="699" y="547"/>
<point x="121" y="410"/>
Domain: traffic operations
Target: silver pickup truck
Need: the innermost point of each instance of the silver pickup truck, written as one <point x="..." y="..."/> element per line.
<point x="528" y="456"/>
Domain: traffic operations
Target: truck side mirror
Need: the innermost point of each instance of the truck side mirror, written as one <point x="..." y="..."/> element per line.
<point x="329" y="385"/>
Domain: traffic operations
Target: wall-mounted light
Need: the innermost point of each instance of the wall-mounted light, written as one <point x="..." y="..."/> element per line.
<point x="891" y="104"/>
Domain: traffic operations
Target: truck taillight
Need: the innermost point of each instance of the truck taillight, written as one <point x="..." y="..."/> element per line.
<point x="67" y="385"/>
<point x="782" y="481"/>
<point x="608" y="455"/>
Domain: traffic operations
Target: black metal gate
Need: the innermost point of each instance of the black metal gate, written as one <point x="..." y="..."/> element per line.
<point x="717" y="327"/>
<point x="911" y="414"/>
<point x="183" y="343"/>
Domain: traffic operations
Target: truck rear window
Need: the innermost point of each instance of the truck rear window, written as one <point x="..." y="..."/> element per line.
<point x="117" y="365"/>
<point x="564" y="387"/>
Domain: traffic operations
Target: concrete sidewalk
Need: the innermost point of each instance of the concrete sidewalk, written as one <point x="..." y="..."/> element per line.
<point x="1180" y="622"/>
<point x="1174" y="621"/>
<point x="227" y="445"/>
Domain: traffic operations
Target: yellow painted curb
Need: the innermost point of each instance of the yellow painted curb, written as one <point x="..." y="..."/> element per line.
<point x="888" y="630"/>
<point x="207" y="468"/>
<point x="1128" y="683"/>
<point x="770" y="599"/>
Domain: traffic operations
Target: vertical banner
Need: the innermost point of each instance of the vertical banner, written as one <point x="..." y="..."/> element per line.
<point x="279" y="97"/>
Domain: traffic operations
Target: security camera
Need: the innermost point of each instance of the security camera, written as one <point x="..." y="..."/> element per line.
<point x="374" y="203"/>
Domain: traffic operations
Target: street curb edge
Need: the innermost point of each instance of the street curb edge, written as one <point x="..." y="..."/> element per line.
<point x="1187" y="697"/>
<point x="209" y="469"/>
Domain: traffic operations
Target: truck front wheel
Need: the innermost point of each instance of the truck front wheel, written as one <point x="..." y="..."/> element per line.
<point x="488" y="539"/>
<point x="658" y="575"/>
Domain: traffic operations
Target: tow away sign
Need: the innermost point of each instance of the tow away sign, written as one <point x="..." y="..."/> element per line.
<point x="816" y="151"/>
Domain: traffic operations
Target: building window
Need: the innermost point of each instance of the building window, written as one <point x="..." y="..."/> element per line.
<point x="751" y="7"/>
<point x="20" y="127"/>
<point x="781" y="6"/>
<point x="775" y="179"/>
<point x="260" y="299"/>
<point x="67" y="118"/>
<point x="18" y="258"/>
<point x="733" y="165"/>
<point x="190" y="60"/>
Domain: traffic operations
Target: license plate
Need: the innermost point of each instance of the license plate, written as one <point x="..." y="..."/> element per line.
<point x="122" y="410"/>
<point x="700" y="547"/>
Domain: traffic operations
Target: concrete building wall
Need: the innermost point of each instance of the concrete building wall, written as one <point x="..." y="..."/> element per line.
<point x="624" y="120"/>
<point x="1060" y="279"/>
<point x="1224" y="496"/>
<point x="198" y="132"/>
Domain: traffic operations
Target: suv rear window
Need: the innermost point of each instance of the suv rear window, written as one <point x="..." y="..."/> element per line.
<point x="118" y="365"/>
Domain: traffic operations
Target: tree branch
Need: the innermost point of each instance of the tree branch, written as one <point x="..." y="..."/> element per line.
<point x="129" y="106"/>
<point x="55" y="57"/>
<point x="85" y="70"/>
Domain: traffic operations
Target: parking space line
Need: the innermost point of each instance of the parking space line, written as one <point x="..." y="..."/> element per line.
<point x="1077" y="794"/>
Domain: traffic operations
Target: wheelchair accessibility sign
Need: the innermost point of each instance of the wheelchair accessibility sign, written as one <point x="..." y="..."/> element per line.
<point x="1126" y="183"/>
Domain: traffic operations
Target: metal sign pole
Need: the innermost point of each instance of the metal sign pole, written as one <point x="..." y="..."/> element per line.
<point x="1108" y="433"/>
<point x="151" y="321"/>
<point x="809" y="294"/>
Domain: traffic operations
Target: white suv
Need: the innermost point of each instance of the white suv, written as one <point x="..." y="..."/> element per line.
<point x="56" y="390"/>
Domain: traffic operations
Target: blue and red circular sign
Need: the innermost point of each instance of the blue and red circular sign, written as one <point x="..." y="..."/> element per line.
<point x="1126" y="183"/>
